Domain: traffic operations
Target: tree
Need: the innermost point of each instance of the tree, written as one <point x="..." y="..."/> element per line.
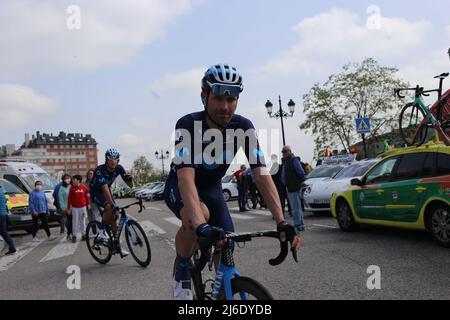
<point x="361" y="90"/>
<point x="142" y="171"/>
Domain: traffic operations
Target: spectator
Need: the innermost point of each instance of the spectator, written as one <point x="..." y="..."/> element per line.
<point x="87" y="183"/>
<point x="241" y="191"/>
<point x="78" y="203"/>
<point x="275" y="172"/>
<point x="4" y="224"/>
<point x="63" y="197"/>
<point x="39" y="208"/>
<point x="293" y="176"/>
<point x="62" y="221"/>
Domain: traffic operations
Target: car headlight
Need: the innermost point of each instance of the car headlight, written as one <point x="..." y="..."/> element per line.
<point x="307" y="190"/>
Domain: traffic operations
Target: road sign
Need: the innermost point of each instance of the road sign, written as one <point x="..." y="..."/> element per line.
<point x="363" y="125"/>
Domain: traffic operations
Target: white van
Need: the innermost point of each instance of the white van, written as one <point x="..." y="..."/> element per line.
<point x="24" y="175"/>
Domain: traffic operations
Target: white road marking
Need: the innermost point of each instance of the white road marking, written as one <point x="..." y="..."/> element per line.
<point x="174" y="220"/>
<point x="63" y="249"/>
<point x="149" y="227"/>
<point x="324" y="226"/>
<point x="241" y="216"/>
<point x="254" y="211"/>
<point x="153" y="208"/>
<point x="7" y="262"/>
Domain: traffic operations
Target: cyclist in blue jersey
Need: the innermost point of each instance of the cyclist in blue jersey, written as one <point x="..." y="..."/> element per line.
<point x="193" y="190"/>
<point x="100" y="189"/>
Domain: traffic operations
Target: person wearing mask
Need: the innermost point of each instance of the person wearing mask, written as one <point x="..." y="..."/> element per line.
<point x="292" y="176"/>
<point x="78" y="203"/>
<point x="63" y="197"/>
<point x="4" y="224"/>
<point x="38" y="205"/>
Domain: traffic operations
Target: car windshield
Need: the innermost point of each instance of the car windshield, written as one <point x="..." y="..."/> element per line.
<point x="354" y="170"/>
<point x="227" y="179"/>
<point x="324" y="171"/>
<point x="48" y="183"/>
<point x="10" y="188"/>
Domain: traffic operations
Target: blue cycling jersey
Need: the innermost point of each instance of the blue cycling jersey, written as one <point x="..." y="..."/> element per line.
<point x="193" y="154"/>
<point x="102" y="176"/>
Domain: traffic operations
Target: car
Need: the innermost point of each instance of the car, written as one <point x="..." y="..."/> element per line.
<point x="229" y="187"/>
<point x="317" y="195"/>
<point x="19" y="216"/>
<point x="408" y="188"/>
<point x="147" y="194"/>
<point x="142" y="189"/>
<point x="157" y="193"/>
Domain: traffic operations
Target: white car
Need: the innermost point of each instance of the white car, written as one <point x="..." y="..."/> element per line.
<point x="317" y="195"/>
<point x="147" y="193"/>
<point x="229" y="188"/>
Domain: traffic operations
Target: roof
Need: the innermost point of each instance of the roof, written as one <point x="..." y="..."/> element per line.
<point x="430" y="146"/>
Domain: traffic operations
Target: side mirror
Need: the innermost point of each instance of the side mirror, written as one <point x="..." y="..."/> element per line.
<point x="356" y="182"/>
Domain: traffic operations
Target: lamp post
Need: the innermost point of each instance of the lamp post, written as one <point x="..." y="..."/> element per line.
<point x="162" y="157"/>
<point x="281" y="113"/>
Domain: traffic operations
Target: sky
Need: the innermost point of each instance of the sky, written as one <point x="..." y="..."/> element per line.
<point x="125" y="71"/>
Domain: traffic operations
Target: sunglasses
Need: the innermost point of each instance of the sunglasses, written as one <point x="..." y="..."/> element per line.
<point x="221" y="90"/>
<point x="284" y="151"/>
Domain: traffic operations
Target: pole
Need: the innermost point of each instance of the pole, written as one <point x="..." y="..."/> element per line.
<point x="365" y="147"/>
<point x="162" y="160"/>
<point x="281" y="117"/>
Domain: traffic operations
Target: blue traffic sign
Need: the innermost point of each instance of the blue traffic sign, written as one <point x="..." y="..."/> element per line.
<point x="362" y="125"/>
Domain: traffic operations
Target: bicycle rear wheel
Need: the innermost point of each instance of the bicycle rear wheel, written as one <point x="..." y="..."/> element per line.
<point x="443" y="114"/>
<point x="413" y="124"/>
<point x="138" y="243"/>
<point x="247" y="289"/>
<point x="99" y="248"/>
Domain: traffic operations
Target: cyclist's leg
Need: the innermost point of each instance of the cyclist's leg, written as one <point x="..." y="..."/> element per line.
<point x="185" y="240"/>
<point x="220" y="215"/>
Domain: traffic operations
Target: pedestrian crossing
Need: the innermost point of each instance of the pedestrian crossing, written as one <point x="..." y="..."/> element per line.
<point x="63" y="248"/>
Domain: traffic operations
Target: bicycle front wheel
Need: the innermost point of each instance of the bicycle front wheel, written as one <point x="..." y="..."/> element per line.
<point x="138" y="243"/>
<point x="413" y="124"/>
<point x="247" y="289"/>
<point x="99" y="245"/>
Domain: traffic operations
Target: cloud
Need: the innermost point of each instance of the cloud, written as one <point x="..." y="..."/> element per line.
<point x="186" y="82"/>
<point x="339" y="36"/>
<point x="111" y="32"/>
<point x="20" y="106"/>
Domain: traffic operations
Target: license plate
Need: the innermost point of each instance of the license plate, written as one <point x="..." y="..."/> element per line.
<point x="25" y="218"/>
<point x="321" y="201"/>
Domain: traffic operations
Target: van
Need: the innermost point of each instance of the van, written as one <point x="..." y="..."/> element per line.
<point x="24" y="175"/>
<point x="19" y="216"/>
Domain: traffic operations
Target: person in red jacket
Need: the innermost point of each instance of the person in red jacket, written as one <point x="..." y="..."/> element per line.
<point x="78" y="204"/>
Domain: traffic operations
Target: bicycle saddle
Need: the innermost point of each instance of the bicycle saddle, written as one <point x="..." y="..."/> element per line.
<point x="442" y="76"/>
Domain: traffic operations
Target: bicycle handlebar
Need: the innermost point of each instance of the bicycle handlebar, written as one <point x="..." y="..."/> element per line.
<point x="247" y="236"/>
<point x="141" y="205"/>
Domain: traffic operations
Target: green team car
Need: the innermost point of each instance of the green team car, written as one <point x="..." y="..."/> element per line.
<point x="407" y="188"/>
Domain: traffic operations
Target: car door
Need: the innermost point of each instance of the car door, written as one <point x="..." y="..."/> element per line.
<point x="369" y="200"/>
<point x="404" y="195"/>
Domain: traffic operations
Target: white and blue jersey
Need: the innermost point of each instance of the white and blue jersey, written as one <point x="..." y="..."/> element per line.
<point x="210" y="153"/>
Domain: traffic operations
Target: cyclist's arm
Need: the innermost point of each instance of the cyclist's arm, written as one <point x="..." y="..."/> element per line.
<point x="189" y="195"/>
<point x="269" y="192"/>
<point x="107" y="193"/>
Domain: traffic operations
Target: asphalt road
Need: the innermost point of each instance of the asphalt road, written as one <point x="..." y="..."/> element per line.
<point x="332" y="264"/>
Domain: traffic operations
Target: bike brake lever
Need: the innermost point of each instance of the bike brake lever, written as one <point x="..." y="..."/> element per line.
<point x="294" y="254"/>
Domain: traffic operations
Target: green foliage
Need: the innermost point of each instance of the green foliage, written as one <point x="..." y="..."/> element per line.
<point x="361" y="90"/>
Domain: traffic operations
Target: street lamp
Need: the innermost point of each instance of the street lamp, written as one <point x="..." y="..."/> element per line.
<point x="162" y="157"/>
<point x="281" y="113"/>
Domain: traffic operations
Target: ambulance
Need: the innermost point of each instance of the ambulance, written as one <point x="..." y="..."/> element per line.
<point x="24" y="175"/>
